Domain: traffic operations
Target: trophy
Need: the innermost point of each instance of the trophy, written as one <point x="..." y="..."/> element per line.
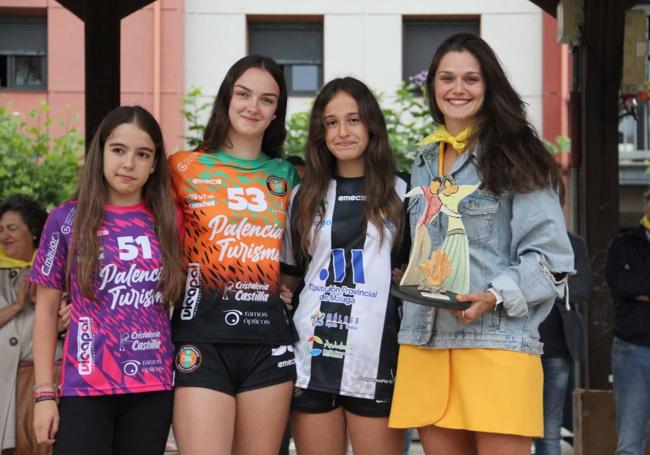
<point x="431" y="292"/>
<point x="424" y="279"/>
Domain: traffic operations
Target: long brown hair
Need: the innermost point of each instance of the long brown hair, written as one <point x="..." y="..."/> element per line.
<point x="216" y="130"/>
<point x="511" y="156"/>
<point x="382" y="203"/>
<point x="92" y="196"/>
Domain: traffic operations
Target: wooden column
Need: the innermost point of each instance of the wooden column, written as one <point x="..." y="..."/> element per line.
<point x="102" y="53"/>
<point x="601" y="59"/>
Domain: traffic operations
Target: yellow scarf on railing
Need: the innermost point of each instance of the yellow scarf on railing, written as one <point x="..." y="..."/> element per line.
<point x="9" y="263"/>
<point x="458" y="142"/>
<point x="645" y="222"/>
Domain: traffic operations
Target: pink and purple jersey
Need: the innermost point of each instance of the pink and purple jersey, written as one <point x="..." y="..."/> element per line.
<point x="120" y="341"/>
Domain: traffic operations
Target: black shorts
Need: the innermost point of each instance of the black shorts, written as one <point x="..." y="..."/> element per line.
<point x="132" y="423"/>
<point x="314" y="402"/>
<point x="233" y="368"/>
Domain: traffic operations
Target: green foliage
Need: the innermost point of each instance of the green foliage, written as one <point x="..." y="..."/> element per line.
<point x="562" y="145"/>
<point x="33" y="162"/>
<point x="407" y="120"/>
<point x="297" y="130"/>
<point x="193" y="111"/>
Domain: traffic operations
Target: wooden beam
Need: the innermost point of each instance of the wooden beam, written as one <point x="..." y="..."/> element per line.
<point x="126" y="7"/>
<point x="102" y="53"/>
<point x="549" y="6"/>
<point x="601" y="56"/>
<point x="76" y="7"/>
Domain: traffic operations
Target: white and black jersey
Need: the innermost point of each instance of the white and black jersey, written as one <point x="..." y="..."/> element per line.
<point x="346" y="320"/>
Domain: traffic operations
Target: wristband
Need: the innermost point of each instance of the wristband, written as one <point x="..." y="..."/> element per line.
<point x="45" y="398"/>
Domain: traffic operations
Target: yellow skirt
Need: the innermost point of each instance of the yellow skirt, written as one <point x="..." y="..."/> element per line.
<point x="485" y="390"/>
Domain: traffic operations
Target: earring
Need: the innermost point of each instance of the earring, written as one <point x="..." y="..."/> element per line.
<point x="273" y="116"/>
<point x="151" y="171"/>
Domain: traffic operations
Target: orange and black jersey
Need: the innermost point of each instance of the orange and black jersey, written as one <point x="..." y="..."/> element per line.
<point x="235" y="213"/>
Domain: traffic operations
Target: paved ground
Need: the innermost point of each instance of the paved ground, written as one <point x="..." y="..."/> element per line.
<point x="416" y="449"/>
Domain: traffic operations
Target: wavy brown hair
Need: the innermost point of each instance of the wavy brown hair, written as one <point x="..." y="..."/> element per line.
<point x="382" y="202"/>
<point x="92" y="196"/>
<point x="216" y="130"/>
<point x="511" y="157"/>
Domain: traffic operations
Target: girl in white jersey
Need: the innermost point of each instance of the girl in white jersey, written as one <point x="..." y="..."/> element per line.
<point x="346" y="225"/>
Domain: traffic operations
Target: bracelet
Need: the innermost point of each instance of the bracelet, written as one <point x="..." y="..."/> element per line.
<point x="38" y="395"/>
<point x="45" y="398"/>
<point x="51" y="385"/>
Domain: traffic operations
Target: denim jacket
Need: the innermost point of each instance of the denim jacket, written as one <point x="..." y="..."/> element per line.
<point x="517" y="241"/>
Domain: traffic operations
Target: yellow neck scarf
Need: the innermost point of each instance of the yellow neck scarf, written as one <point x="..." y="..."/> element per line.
<point x="458" y="142"/>
<point x="9" y="263"/>
<point x="645" y="222"/>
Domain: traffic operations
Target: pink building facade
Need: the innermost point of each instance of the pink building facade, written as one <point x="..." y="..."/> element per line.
<point x="152" y="41"/>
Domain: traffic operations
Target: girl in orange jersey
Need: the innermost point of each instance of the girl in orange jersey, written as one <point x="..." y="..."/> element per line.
<point x="234" y="361"/>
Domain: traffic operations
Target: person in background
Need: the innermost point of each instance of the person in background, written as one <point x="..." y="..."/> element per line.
<point x="563" y="335"/>
<point x="21" y="223"/>
<point x="628" y="276"/>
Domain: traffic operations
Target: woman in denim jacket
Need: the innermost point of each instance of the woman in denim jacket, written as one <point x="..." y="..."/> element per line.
<point x="471" y="380"/>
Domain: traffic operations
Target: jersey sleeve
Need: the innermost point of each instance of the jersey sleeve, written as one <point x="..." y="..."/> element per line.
<point x="293" y="178"/>
<point x="174" y="161"/>
<point x="288" y="263"/>
<point x="50" y="261"/>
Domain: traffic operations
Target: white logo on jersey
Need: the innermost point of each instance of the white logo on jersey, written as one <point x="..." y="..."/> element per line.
<point x="232" y="317"/>
<point x="281" y="350"/>
<point x="52" y="247"/>
<point x="352" y="198"/>
<point x="192" y="291"/>
<point x="66" y="227"/>
<point x="206" y="181"/>
<point x="85" y="346"/>
<point x="250" y="198"/>
<point x="131" y="367"/>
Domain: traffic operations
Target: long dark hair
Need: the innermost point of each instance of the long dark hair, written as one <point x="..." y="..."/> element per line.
<point x="92" y="196"/>
<point x="511" y="157"/>
<point x="216" y="131"/>
<point x="382" y="203"/>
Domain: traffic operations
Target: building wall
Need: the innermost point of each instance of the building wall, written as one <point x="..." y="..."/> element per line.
<point x="142" y="82"/>
<point x="364" y="39"/>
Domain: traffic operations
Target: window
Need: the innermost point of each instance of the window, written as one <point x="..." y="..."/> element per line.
<point x="421" y="38"/>
<point x="297" y="47"/>
<point x="23" y="51"/>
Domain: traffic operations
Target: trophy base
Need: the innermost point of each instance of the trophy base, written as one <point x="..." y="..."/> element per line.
<point x="410" y="293"/>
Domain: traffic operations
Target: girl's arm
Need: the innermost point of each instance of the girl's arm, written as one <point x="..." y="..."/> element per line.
<point x="46" y="415"/>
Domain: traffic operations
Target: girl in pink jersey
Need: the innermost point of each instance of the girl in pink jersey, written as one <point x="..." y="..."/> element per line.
<point x="116" y="249"/>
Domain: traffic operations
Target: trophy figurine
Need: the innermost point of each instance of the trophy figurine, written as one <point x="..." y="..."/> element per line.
<point x="435" y="280"/>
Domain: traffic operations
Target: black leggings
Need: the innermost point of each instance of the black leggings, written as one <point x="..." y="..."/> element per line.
<point x="129" y="424"/>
